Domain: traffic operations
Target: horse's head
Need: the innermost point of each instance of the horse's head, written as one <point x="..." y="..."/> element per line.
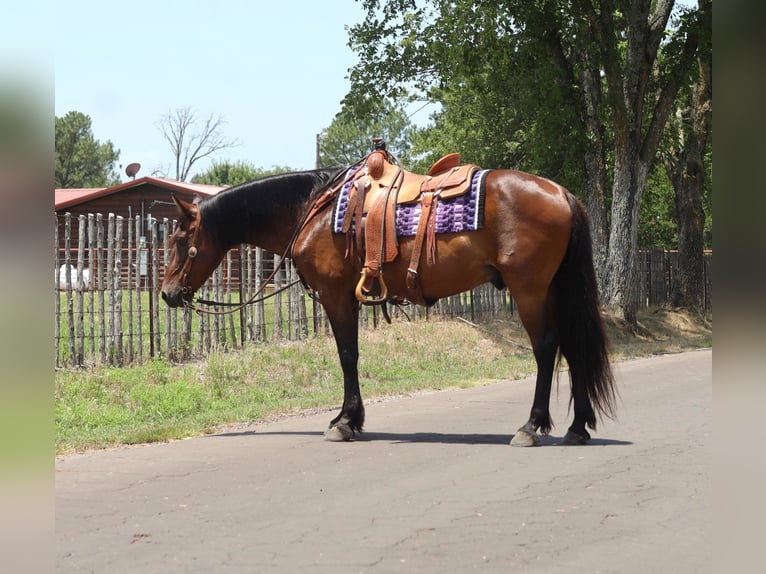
<point x="193" y="256"/>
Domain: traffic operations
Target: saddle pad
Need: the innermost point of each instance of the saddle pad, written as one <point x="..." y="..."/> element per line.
<point x="454" y="215"/>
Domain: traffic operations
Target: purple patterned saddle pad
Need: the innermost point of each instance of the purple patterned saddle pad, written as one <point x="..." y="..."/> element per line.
<point x="455" y="215"/>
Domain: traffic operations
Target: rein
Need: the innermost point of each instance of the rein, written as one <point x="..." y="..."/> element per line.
<point x="249" y="302"/>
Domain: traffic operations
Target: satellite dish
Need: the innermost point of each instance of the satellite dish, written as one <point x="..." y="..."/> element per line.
<point x="132" y="169"/>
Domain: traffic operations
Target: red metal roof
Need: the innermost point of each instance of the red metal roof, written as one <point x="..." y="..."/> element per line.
<point x="69" y="197"/>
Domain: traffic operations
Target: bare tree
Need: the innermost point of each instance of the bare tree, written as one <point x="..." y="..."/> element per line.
<point x="190" y="145"/>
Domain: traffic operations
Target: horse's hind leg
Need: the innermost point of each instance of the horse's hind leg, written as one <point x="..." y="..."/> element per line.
<point x="536" y="319"/>
<point x="583" y="414"/>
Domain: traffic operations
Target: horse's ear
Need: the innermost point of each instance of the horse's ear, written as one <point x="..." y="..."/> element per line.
<point x="197" y="199"/>
<point x="184" y="207"/>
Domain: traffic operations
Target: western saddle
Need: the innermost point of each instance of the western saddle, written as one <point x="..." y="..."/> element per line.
<point x="376" y="189"/>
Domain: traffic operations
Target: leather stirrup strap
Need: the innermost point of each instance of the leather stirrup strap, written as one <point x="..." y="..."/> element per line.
<point x="362" y="185"/>
<point x="413" y="283"/>
<point x="373" y="235"/>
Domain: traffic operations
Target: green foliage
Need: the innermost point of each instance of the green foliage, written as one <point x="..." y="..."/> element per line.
<point x="234" y="173"/>
<point x="349" y="137"/>
<point x="496" y="82"/>
<point x="82" y="160"/>
<point x="657" y="221"/>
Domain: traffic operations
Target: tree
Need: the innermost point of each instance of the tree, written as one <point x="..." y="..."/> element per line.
<point x="640" y="91"/>
<point x="349" y="137"/>
<point x="190" y="145"/>
<point x="228" y="173"/>
<point x="684" y="161"/>
<point x="82" y="160"/>
<point x="603" y="93"/>
<point x="659" y="227"/>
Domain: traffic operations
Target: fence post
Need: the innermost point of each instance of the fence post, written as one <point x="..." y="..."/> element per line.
<point x="56" y="292"/>
<point x="118" y="334"/>
<point x="100" y="287"/>
<point x="242" y="274"/>
<point x="80" y="288"/>
<point x="229" y="279"/>
<point x="707" y="277"/>
<point x="110" y="288"/>
<point x="129" y="282"/>
<point x="139" y="261"/>
<point x="250" y="311"/>
<point x="92" y="285"/>
<point x="277" y="300"/>
<point x="260" y="307"/>
<point x="156" y="349"/>
<point x="68" y="284"/>
<point x="170" y="314"/>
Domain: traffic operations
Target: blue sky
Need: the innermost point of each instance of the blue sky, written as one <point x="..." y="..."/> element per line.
<point x="276" y="72"/>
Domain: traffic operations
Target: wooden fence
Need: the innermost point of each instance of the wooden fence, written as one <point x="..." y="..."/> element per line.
<point x="108" y="309"/>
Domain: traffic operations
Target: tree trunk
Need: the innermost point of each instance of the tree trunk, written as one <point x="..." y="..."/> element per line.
<point x="595" y="166"/>
<point x="688" y="177"/>
<point x="690" y="287"/>
<point x="620" y="273"/>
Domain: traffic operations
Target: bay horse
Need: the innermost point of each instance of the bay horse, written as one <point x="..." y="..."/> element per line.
<point x="535" y="241"/>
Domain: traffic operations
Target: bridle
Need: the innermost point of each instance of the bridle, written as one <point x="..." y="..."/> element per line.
<point x="191" y="254"/>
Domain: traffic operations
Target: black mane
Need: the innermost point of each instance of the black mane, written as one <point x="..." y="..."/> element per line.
<point x="257" y="204"/>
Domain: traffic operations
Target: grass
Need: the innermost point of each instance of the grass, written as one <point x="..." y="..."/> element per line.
<point x="104" y="407"/>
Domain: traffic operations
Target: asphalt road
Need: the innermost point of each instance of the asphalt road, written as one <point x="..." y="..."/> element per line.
<point x="431" y="486"/>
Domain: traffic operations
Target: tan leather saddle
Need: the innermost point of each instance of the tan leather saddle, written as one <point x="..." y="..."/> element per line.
<point x="376" y="189"/>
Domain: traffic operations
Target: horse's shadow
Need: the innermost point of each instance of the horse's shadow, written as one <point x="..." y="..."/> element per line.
<point x="428" y="437"/>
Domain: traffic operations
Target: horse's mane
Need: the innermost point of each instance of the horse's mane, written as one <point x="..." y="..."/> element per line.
<point x="259" y="201"/>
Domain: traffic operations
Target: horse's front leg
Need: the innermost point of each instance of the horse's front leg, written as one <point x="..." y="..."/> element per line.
<point x="344" y="320"/>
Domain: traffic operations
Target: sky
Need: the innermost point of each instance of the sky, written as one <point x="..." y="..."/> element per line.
<point x="275" y="71"/>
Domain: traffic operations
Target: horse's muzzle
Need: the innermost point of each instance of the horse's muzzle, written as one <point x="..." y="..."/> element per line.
<point x="173" y="300"/>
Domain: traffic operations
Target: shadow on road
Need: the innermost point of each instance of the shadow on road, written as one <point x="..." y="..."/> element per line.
<point x="428" y="437"/>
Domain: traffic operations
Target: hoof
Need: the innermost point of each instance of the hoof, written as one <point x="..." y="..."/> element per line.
<point x="342" y="433"/>
<point x="525" y="438"/>
<point x="572" y="438"/>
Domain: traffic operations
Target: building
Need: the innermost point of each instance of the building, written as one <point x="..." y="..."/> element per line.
<point x="137" y="201"/>
<point x="142" y="199"/>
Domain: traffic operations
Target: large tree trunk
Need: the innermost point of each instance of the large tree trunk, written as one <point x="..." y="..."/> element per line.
<point x="620" y="273"/>
<point x="687" y="172"/>
<point x="595" y="164"/>
<point x="690" y="287"/>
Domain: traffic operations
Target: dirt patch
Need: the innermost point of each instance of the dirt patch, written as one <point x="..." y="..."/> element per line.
<point x="659" y="331"/>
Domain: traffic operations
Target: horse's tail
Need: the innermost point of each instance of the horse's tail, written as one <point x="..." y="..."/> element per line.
<point x="582" y="336"/>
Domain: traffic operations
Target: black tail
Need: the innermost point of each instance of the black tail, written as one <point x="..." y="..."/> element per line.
<point x="582" y="337"/>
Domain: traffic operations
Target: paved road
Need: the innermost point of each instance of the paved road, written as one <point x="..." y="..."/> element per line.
<point x="432" y="486"/>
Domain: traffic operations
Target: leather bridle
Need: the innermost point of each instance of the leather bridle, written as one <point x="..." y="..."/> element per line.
<point x="191" y="254"/>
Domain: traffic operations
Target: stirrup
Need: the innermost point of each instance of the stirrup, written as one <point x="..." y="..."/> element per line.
<point x="367" y="299"/>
